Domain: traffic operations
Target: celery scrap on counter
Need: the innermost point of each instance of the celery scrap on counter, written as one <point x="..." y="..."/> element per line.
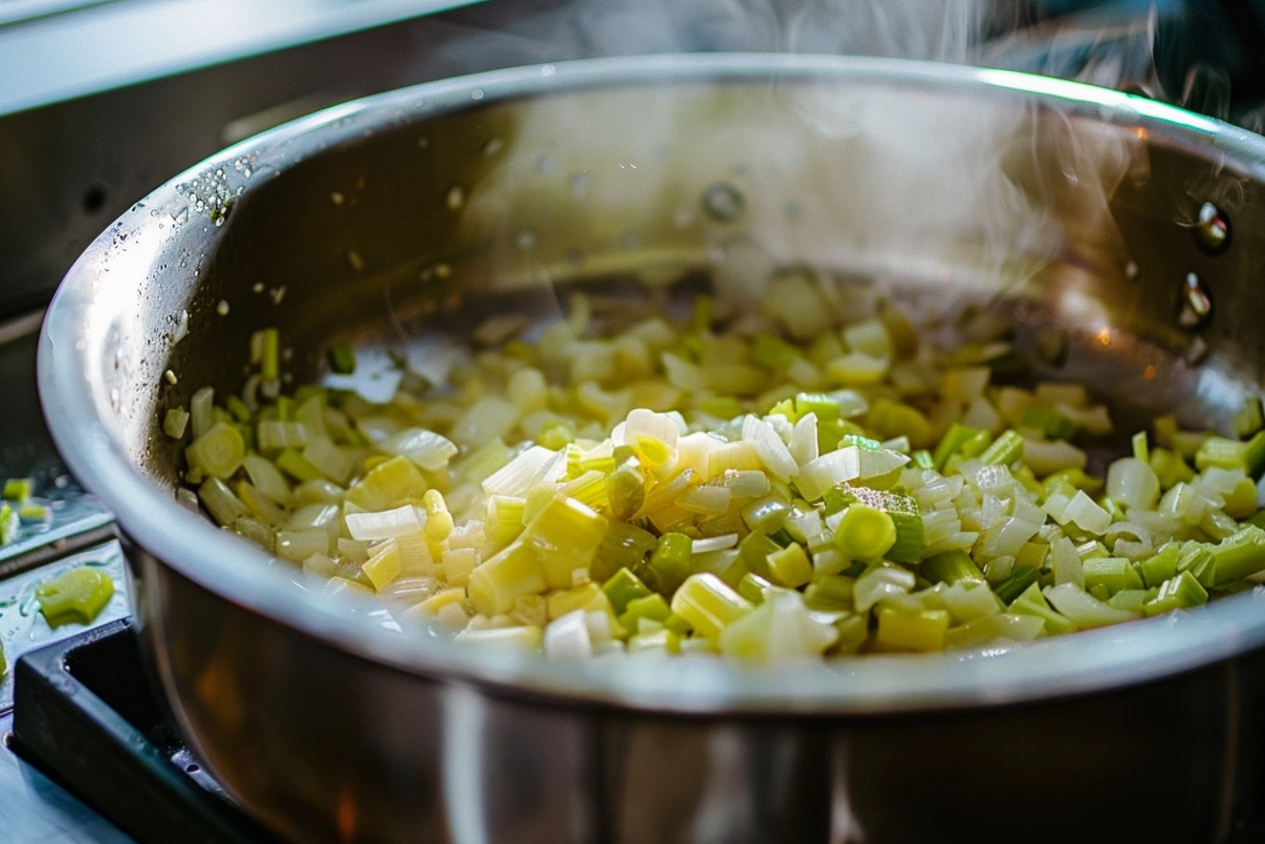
<point x="77" y="595"/>
<point x="776" y="486"/>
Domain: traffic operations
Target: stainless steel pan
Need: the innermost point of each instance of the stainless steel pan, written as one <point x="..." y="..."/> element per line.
<point x="1073" y="211"/>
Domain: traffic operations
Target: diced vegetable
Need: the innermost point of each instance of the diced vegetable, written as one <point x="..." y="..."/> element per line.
<point x="77" y="595"/>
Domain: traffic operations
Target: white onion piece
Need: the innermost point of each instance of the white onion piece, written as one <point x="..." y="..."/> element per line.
<point x="1086" y="514"/>
<point x="385" y="524"/>
<point x="1131" y="481"/>
<point x="773" y="452"/>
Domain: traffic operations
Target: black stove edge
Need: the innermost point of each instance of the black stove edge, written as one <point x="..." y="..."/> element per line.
<point x="67" y="731"/>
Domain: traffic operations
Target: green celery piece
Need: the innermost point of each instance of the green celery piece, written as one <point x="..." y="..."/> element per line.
<point x="905" y="516"/>
<point x="765" y="515"/>
<point x="726" y="565"/>
<point x="1129" y="599"/>
<point x="835" y="501"/>
<point x="285" y="409"/>
<point x="772" y="352"/>
<point x="622" y="587"/>
<point x="671" y="561"/>
<point x="1133" y="577"/>
<point x="1232" y="454"/>
<point x="950" y="567"/>
<point x="342" y="359"/>
<point x="626" y="491"/>
<point x="753" y="587"/>
<point x="782" y="537"/>
<point x="298" y="467"/>
<point x="1162" y="566"/>
<point x="1005" y="450"/>
<point x="865" y="533"/>
<point x="652" y="607"/>
<point x="1111" y="572"/>
<point x="625" y="546"/>
<point x="1056" y="624"/>
<point x="821" y="404"/>
<point x="860" y="441"/>
<point x="1141" y="450"/>
<point x="1075" y="478"/>
<point x="9" y="523"/>
<point x="1251" y="418"/>
<point x="1046" y="419"/>
<point x="790" y="566"/>
<point x="1021" y="577"/>
<point x="238" y="409"/>
<point x="830" y="592"/>
<point x="1099" y="591"/>
<point x="960" y="439"/>
<point x="270" y="358"/>
<point x="923" y="459"/>
<point x="18" y="490"/>
<point x="4" y="665"/>
<point x="1170" y="468"/>
<point x="1239" y="555"/>
<point x="755" y="549"/>
<point x="77" y="595"/>
<point x="1181" y="592"/>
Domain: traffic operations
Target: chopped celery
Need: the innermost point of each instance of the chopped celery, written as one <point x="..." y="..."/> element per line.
<point x="1239" y="556"/>
<point x="708" y="604"/>
<point x="790" y="566"/>
<point x="923" y="631"/>
<point x="1005" y="450"/>
<point x="670" y="562"/>
<point x="951" y="567"/>
<point x="218" y="452"/>
<point x="865" y="533"/>
<point x="77" y="595"/>
<point x="622" y="587"/>
<point x="903" y="510"/>
<point x="960" y="439"/>
<point x="176" y="422"/>
<point x="1020" y="579"/>
<point x="18" y="490"/>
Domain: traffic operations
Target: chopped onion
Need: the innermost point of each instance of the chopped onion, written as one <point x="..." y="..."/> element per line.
<point x="386" y="524"/>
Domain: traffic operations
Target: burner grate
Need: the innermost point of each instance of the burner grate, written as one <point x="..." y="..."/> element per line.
<point x="84" y="715"/>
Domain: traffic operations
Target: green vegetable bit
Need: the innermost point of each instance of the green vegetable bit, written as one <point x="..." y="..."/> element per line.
<point x="77" y="595"/>
<point x="342" y="359"/>
<point x="18" y="490"/>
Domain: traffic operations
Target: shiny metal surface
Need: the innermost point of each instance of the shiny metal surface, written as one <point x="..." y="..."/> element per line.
<point x="888" y="171"/>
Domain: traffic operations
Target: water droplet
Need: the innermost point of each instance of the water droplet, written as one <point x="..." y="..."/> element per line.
<point x="456" y="197"/>
<point x="526" y="239"/>
<point x="723" y="203"/>
<point x="493" y="146"/>
<point x="1212" y="231"/>
<point x="1131" y="270"/>
<point x="1196" y="303"/>
<point x="476" y="94"/>
<point x="548" y="70"/>
<point x="580" y="184"/>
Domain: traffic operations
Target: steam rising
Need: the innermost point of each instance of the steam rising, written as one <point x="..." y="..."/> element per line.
<point x="901" y="183"/>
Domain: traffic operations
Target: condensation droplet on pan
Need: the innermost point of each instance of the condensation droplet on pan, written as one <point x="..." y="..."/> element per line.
<point x="526" y="239"/>
<point x="476" y="94"/>
<point x="1131" y="270"/>
<point x="1212" y="230"/>
<point x="456" y="197"/>
<point x="222" y="307"/>
<point x="1196" y="307"/>
<point x="1052" y="346"/>
<point x="1196" y="352"/>
<point x="493" y="146"/>
<point x="724" y="203"/>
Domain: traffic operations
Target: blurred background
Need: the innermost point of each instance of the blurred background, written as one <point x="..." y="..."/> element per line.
<point x="102" y="100"/>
